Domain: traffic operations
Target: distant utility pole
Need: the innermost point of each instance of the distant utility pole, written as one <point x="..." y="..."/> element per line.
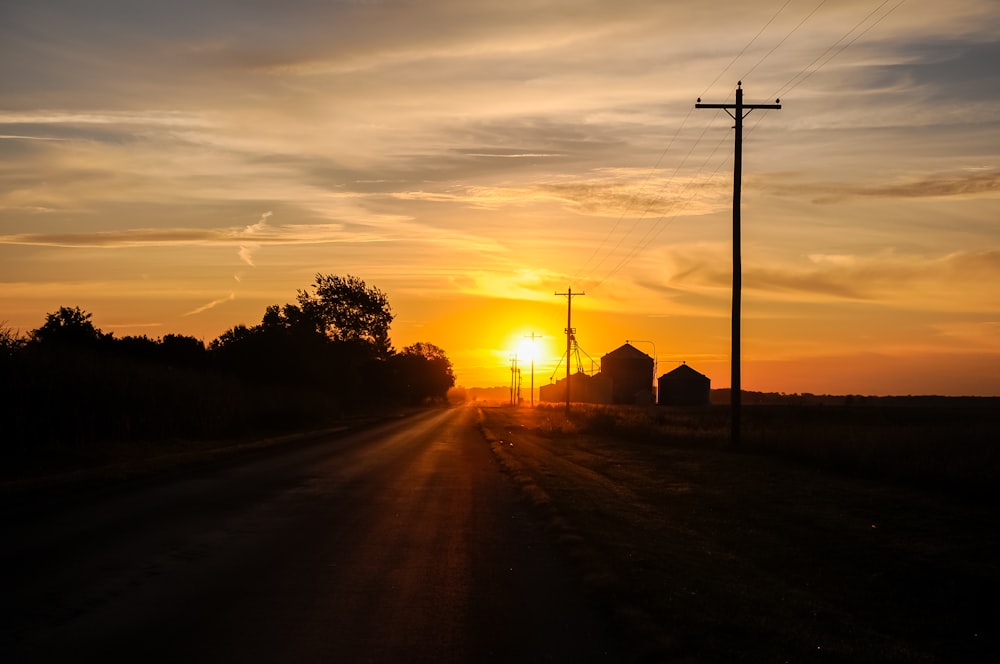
<point x="739" y="111"/>
<point x="513" y="379"/>
<point x="533" y="337"/>
<point x="569" y="334"/>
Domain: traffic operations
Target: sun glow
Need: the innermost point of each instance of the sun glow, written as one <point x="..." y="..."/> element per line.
<point x="531" y="352"/>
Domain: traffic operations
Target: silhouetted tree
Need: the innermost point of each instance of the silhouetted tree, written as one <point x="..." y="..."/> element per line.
<point x="11" y="341"/>
<point x="422" y="372"/>
<point x="284" y="349"/>
<point x="181" y="350"/>
<point x="68" y="328"/>
<point x="230" y="337"/>
<point x="346" y="309"/>
<point x="141" y="348"/>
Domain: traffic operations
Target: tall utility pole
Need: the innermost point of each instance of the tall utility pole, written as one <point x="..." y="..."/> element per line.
<point x="739" y="111"/>
<point x="533" y="337"/>
<point x="569" y="335"/>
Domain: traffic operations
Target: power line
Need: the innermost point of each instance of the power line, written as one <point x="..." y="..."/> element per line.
<point x="805" y="73"/>
<point x="676" y="208"/>
<point x="749" y="44"/>
<point x="628" y="207"/>
<point x="635" y="224"/>
<point x="584" y="269"/>
<point x="783" y="39"/>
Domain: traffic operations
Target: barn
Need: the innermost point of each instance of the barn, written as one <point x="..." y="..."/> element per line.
<point x="684" y="387"/>
<point x="631" y="374"/>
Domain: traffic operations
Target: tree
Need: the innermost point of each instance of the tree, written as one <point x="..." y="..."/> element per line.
<point x="182" y="350"/>
<point x="285" y="348"/>
<point x="68" y="327"/>
<point x="423" y="372"/>
<point x="231" y="337"/>
<point x="11" y="341"/>
<point x="348" y="310"/>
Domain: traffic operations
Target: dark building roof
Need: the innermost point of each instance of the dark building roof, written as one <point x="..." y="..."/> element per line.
<point x="683" y="371"/>
<point x="627" y="352"/>
<point x="631" y="373"/>
<point x="684" y="387"/>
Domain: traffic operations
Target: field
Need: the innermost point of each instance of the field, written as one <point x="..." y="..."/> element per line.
<point x="833" y="534"/>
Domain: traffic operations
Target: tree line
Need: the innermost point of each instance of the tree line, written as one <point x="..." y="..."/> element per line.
<point x="323" y="357"/>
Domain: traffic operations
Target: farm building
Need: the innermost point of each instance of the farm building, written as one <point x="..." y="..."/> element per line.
<point x="631" y="374"/>
<point x="684" y="387"/>
<point x="582" y="388"/>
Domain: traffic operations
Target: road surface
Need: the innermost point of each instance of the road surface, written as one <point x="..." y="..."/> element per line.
<point x="401" y="543"/>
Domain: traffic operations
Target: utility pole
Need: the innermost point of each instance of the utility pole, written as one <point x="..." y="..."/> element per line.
<point x="739" y="111"/>
<point x="533" y="337"/>
<point x="513" y="379"/>
<point x="569" y="334"/>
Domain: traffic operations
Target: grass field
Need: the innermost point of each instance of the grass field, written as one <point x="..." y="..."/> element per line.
<point x="860" y="535"/>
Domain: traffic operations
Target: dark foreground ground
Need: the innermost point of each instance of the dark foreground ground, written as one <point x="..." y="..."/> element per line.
<point x="612" y="535"/>
<point x="402" y="543"/>
<point x="843" y="549"/>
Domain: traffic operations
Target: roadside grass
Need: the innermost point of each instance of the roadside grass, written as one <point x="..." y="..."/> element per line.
<point x="772" y="553"/>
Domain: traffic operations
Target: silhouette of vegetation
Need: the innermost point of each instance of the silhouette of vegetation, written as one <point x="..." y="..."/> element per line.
<point x="68" y="328"/>
<point x="422" y="372"/>
<point x="348" y="310"/>
<point x="72" y="392"/>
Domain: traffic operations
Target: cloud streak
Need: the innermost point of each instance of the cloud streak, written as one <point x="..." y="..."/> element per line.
<point x="211" y="305"/>
<point x="943" y="185"/>
<point x="888" y="277"/>
<point x="293" y="234"/>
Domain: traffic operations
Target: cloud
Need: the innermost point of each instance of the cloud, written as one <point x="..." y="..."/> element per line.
<point x="211" y="305"/>
<point x="972" y="182"/>
<point x="246" y="250"/>
<point x="246" y="253"/>
<point x="625" y="199"/>
<point x="253" y="228"/>
<point x="957" y="280"/>
<point x="524" y="284"/>
<point x="292" y="234"/>
<point x="968" y="184"/>
<point x="15" y="137"/>
<point x="974" y="334"/>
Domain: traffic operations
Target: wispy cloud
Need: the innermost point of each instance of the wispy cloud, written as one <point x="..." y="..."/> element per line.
<point x="887" y="277"/>
<point x="246" y="250"/>
<point x="969" y="183"/>
<point x="211" y="305"/>
<point x="260" y="234"/>
<point x="16" y="137"/>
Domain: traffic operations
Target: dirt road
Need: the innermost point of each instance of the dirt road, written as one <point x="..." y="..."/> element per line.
<point x="404" y="542"/>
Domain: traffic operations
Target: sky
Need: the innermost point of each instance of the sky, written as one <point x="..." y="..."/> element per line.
<point x="175" y="168"/>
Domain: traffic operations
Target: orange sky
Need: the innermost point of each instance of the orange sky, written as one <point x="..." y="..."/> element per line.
<point x="176" y="169"/>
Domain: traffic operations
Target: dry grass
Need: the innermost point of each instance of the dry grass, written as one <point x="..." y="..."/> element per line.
<point x="712" y="556"/>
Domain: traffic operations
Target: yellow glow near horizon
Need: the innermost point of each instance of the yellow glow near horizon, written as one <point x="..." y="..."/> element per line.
<point x="530" y="350"/>
<point x="519" y="345"/>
